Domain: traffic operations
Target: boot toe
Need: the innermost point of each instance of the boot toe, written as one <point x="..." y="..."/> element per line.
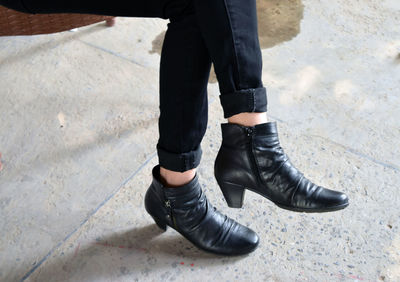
<point x="331" y="199"/>
<point x="250" y="241"/>
<point x="244" y="240"/>
<point x="229" y="237"/>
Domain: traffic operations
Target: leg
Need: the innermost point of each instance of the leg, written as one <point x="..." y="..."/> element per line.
<point x="250" y="156"/>
<point x="229" y="28"/>
<point x="189" y="130"/>
<point x="184" y="70"/>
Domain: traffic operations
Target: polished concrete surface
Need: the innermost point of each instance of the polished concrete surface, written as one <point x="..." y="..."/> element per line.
<point x="78" y="124"/>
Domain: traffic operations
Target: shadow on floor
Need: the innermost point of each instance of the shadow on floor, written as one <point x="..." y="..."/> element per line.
<point x="134" y="253"/>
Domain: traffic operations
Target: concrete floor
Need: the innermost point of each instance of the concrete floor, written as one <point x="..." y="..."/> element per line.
<point x="78" y="124"/>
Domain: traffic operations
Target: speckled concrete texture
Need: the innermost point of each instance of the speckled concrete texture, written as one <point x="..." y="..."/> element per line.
<point x="78" y="126"/>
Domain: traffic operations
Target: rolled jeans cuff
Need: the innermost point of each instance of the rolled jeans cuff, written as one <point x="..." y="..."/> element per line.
<point x="246" y="100"/>
<point x="179" y="161"/>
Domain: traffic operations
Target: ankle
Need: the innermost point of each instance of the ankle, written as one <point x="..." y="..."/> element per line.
<point x="175" y="179"/>
<point x="249" y="119"/>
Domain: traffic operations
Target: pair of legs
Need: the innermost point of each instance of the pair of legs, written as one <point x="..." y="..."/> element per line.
<point x="221" y="32"/>
<point x="208" y="31"/>
<point x="200" y="32"/>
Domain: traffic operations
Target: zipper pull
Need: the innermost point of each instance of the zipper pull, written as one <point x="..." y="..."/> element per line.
<point x="249" y="131"/>
<point x="167" y="205"/>
<point x="169" y="215"/>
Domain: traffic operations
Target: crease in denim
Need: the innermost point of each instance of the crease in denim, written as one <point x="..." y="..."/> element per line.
<point x="234" y="45"/>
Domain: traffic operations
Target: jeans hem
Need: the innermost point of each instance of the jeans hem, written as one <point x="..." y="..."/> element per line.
<point x="179" y="161"/>
<point x="245" y="100"/>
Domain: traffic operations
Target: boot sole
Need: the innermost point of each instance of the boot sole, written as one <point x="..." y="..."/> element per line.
<point x="330" y="209"/>
<point x="234" y="196"/>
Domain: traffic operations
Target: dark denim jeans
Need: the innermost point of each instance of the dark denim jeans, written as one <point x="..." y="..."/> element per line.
<point x="200" y="32"/>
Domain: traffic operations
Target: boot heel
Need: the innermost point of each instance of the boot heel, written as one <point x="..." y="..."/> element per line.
<point x="233" y="194"/>
<point x="160" y="224"/>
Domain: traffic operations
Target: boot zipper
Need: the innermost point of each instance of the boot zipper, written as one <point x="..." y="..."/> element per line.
<point x="249" y="133"/>
<point x="170" y="215"/>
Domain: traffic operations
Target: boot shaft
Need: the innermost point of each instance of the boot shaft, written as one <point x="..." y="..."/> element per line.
<point x="241" y="149"/>
<point x="183" y="206"/>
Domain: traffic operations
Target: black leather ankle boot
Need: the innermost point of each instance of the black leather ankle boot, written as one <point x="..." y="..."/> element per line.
<point x="187" y="210"/>
<point x="251" y="158"/>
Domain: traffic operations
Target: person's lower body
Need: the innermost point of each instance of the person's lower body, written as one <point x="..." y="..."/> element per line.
<point x="225" y="33"/>
<point x="250" y="156"/>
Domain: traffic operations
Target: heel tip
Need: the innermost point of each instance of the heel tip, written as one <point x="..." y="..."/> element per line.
<point x="234" y="206"/>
